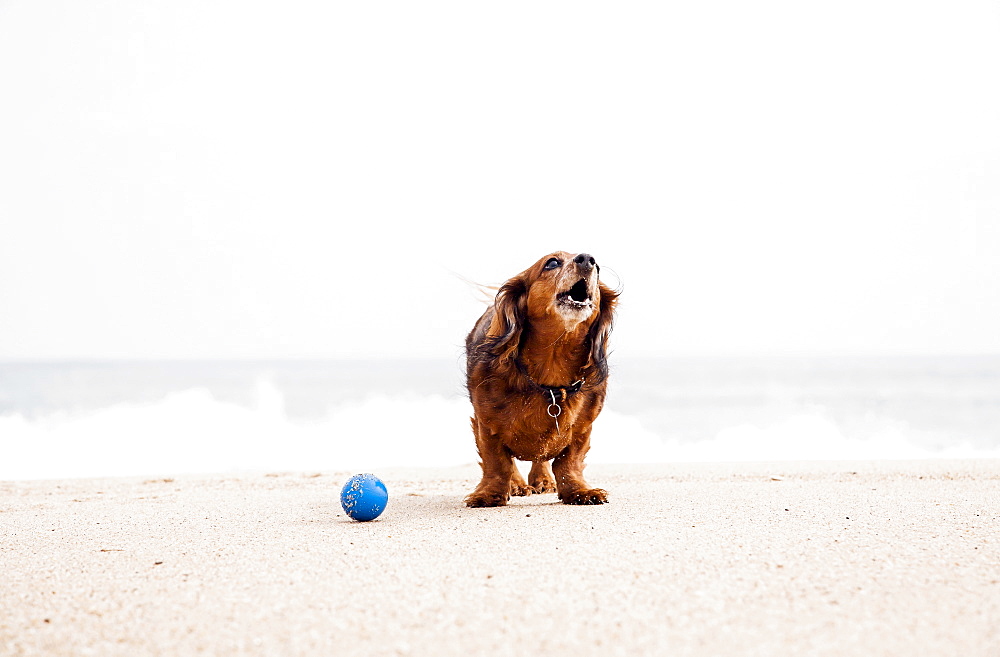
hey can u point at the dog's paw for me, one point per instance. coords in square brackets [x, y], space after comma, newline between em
[586, 496]
[485, 499]
[520, 490]
[543, 486]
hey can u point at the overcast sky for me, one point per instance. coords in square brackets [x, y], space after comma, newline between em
[223, 179]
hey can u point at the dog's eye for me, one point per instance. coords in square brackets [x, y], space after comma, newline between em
[553, 263]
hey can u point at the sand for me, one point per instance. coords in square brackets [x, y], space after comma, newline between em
[881, 558]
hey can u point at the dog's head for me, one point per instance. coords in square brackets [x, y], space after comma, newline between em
[564, 290]
[559, 294]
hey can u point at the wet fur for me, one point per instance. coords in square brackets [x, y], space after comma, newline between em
[524, 342]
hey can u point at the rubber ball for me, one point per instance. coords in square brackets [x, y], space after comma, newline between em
[364, 497]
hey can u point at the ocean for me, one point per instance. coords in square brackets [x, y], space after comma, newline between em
[160, 418]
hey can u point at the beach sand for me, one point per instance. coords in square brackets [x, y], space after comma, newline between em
[873, 558]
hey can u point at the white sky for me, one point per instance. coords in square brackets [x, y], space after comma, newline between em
[187, 179]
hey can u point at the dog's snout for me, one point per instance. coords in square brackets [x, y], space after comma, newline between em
[585, 261]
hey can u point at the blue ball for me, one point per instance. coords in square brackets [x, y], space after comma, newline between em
[363, 497]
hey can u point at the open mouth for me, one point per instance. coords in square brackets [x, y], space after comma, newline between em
[577, 296]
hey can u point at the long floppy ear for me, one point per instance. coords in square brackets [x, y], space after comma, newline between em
[600, 332]
[503, 337]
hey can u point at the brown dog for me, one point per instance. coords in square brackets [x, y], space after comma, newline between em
[537, 373]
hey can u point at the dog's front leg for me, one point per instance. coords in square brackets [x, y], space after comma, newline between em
[498, 469]
[568, 471]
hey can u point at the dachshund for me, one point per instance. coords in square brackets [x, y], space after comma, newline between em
[537, 373]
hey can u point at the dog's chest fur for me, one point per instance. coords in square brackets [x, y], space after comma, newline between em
[522, 421]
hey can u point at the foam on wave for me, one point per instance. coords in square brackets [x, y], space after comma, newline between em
[193, 432]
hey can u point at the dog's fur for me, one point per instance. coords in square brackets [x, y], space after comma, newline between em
[540, 350]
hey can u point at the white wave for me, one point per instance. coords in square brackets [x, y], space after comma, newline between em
[798, 437]
[192, 432]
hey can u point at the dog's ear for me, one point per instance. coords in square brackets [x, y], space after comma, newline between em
[511, 312]
[600, 332]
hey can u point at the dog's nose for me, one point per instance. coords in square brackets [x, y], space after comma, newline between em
[585, 261]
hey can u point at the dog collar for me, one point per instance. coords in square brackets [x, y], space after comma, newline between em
[550, 391]
[554, 409]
